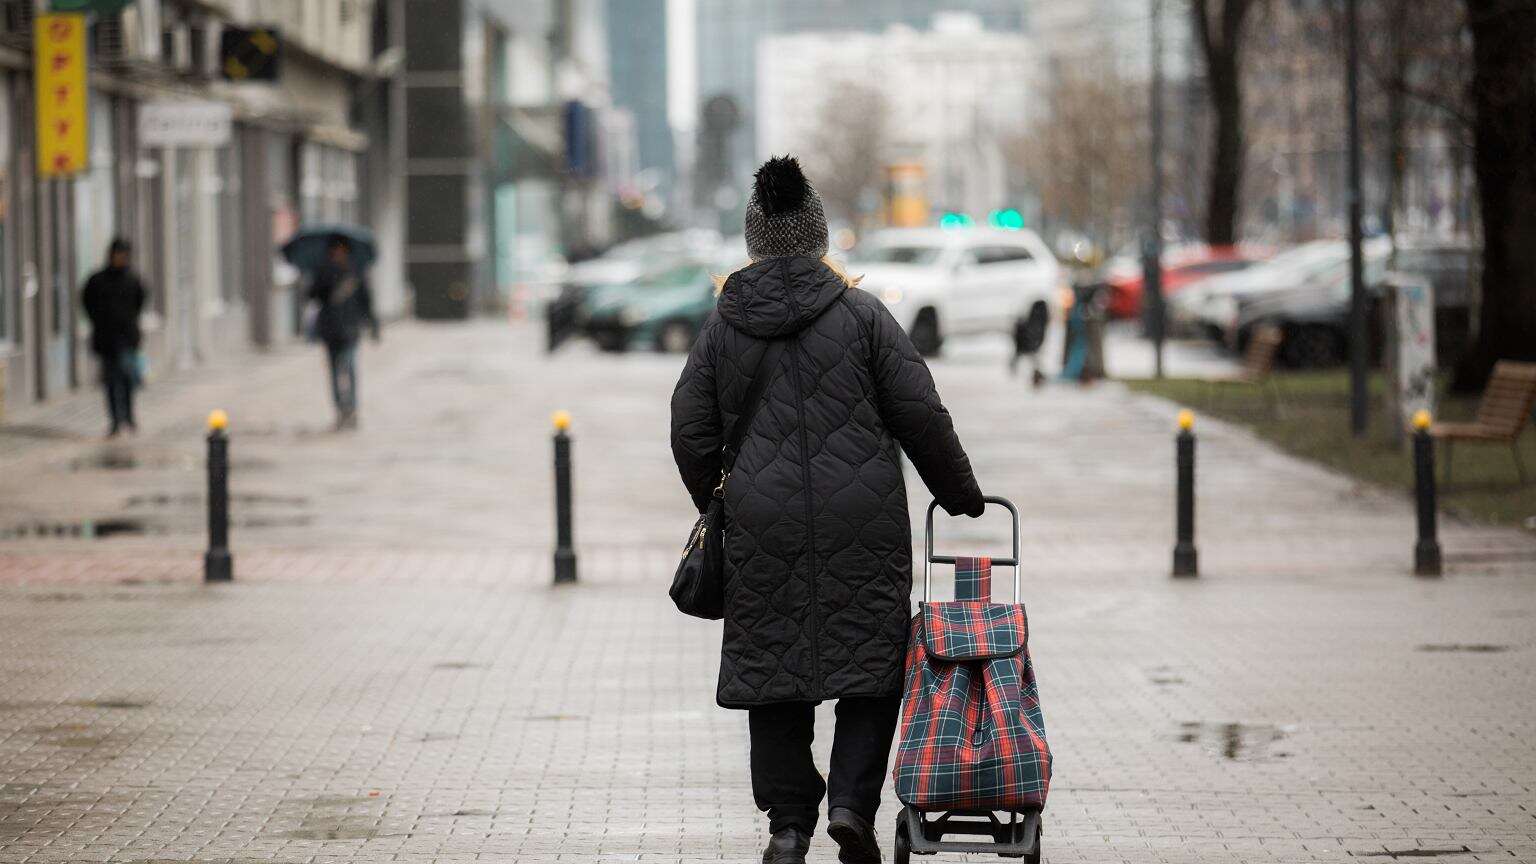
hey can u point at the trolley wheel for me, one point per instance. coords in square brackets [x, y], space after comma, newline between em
[1035, 858]
[903, 853]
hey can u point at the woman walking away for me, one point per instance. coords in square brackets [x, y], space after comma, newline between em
[817, 541]
[114, 299]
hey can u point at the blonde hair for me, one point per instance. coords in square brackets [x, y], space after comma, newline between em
[832, 264]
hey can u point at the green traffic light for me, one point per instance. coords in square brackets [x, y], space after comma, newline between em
[1009, 219]
[955, 220]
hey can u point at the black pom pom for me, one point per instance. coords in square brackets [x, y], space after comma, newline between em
[780, 186]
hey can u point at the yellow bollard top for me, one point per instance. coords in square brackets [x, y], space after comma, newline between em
[1422, 419]
[218, 421]
[1186, 420]
[562, 420]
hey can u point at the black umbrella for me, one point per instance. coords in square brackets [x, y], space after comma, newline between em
[307, 248]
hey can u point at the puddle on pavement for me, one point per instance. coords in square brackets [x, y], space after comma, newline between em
[247, 499]
[112, 703]
[1241, 742]
[334, 829]
[38, 432]
[128, 460]
[1467, 648]
[332, 801]
[88, 529]
[55, 597]
[1414, 853]
[257, 522]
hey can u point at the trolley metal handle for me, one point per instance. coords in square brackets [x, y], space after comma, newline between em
[930, 559]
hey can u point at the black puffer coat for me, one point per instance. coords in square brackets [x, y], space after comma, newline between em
[818, 543]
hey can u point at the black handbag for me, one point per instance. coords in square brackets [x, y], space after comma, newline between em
[698, 587]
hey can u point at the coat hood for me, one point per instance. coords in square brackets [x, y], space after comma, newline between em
[779, 296]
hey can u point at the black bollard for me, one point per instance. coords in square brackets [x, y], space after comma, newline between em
[1426, 552]
[218, 564]
[1185, 558]
[565, 552]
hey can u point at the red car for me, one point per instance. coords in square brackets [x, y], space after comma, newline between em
[1180, 267]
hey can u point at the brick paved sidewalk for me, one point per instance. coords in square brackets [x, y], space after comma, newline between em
[395, 680]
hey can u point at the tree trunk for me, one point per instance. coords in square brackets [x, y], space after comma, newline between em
[1224, 199]
[1504, 159]
[1221, 40]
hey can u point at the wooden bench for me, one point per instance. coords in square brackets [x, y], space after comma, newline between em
[1501, 415]
[1258, 365]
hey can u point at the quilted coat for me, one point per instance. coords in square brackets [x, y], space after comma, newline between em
[818, 543]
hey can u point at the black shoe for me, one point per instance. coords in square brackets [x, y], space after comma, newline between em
[787, 846]
[854, 835]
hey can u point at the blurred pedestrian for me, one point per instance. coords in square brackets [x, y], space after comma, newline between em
[1028, 337]
[345, 306]
[114, 298]
[818, 541]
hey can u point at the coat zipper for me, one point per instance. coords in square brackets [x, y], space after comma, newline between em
[810, 526]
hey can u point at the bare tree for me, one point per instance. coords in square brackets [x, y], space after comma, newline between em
[1219, 31]
[845, 148]
[1504, 158]
[1086, 156]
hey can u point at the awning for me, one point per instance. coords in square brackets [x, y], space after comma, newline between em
[100, 7]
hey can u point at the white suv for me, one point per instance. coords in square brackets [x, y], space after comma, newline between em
[942, 282]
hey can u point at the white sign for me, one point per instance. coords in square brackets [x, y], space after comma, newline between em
[185, 123]
[1414, 308]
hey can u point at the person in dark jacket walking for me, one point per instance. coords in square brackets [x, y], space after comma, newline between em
[345, 306]
[818, 541]
[114, 298]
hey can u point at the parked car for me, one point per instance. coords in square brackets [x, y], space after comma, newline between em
[942, 282]
[1181, 268]
[1210, 307]
[663, 310]
[1314, 317]
[623, 265]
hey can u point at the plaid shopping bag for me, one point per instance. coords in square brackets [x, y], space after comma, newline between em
[972, 734]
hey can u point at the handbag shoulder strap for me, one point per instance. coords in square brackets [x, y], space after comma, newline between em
[761, 375]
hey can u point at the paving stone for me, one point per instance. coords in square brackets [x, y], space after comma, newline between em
[393, 678]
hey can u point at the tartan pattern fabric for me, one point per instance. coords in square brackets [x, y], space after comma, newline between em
[972, 733]
[967, 630]
[973, 579]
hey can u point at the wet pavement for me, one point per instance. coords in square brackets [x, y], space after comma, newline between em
[392, 677]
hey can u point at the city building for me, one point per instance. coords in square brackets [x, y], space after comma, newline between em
[515, 153]
[204, 206]
[956, 92]
[637, 50]
[727, 35]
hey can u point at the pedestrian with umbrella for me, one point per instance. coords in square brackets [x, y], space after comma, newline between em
[337, 258]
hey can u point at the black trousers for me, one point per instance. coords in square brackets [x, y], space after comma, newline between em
[117, 381]
[343, 357]
[785, 782]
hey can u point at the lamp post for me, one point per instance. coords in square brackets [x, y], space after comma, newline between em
[1358, 396]
[1153, 315]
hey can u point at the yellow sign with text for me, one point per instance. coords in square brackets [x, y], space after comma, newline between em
[59, 59]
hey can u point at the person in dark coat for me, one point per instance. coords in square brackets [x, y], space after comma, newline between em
[818, 542]
[114, 299]
[345, 307]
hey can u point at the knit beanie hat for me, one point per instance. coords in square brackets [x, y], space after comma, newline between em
[784, 215]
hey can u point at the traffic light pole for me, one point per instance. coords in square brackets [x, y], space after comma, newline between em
[1358, 396]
